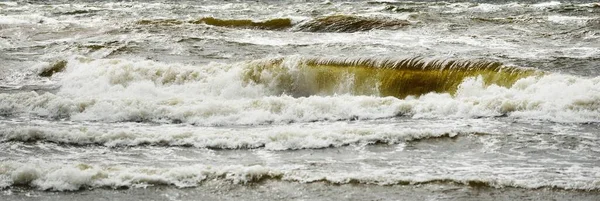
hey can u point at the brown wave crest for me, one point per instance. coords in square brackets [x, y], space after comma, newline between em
[379, 77]
[57, 66]
[271, 24]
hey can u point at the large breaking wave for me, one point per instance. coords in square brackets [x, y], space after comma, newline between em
[299, 89]
[380, 77]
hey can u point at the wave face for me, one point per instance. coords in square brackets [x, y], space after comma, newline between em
[381, 77]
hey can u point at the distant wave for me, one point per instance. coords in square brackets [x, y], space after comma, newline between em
[350, 23]
[334, 23]
[272, 24]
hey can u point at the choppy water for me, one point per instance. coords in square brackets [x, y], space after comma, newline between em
[317, 100]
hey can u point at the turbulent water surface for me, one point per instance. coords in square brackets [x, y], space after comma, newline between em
[315, 100]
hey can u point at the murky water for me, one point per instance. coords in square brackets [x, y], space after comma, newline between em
[281, 100]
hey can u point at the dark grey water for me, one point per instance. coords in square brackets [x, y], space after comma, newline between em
[314, 100]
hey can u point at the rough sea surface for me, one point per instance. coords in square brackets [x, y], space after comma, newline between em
[300, 100]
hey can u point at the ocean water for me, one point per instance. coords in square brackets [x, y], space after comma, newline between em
[300, 100]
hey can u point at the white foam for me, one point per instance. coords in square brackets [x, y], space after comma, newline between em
[486, 8]
[589, 5]
[549, 4]
[578, 20]
[9, 3]
[27, 19]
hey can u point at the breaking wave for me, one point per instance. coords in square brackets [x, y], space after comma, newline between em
[297, 89]
[288, 137]
[380, 77]
[57, 177]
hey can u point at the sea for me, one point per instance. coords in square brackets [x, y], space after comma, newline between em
[300, 100]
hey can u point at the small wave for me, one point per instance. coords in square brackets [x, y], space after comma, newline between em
[290, 137]
[160, 22]
[503, 8]
[77, 12]
[82, 176]
[271, 24]
[55, 177]
[55, 67]
[559, 19]
[496, 20]
[350, 23]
